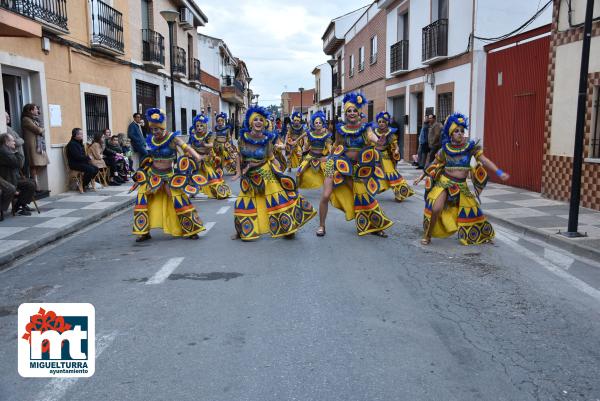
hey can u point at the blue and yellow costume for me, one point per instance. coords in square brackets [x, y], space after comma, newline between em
[393, 179]
[311, 173]
[355, 182]
[225, 152]
[199, 139]
[268, 202]
[296, 131]
[462, 211]
[162, 194]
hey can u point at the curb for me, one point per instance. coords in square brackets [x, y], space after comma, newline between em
[12, 256]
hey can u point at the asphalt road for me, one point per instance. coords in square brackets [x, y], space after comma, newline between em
[334, 318]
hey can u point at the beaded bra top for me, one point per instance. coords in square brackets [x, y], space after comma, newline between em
[260, 149]
[165, 149]
[459, 157]
[353, 138]
[389, 139]
[222, 132]
[198, 142]
[318, 142]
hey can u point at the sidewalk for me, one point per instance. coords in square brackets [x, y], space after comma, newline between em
[60, 215]
[528, 212]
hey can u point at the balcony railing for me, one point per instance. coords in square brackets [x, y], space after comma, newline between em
[373, 58]
[194, 70]
[52, 13]
[153, 47]
[361, 66]
[399, 56]
[435, 41]
[180, 61]
[232, 90]
[231, 81]
[107, 26]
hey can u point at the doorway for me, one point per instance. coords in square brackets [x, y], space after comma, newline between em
[13, 99]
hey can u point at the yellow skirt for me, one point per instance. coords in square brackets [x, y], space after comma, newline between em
[394, 180]
[356, 203]
[226, 160]
[295, 157]
[311, 173]
[173, 212]
[269, 204]
[216, 187]
[462, 213]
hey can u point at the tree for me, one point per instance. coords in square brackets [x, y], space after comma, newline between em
[274, 110]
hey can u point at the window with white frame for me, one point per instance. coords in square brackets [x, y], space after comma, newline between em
[361, 58]
[373, 56]
[351, 65]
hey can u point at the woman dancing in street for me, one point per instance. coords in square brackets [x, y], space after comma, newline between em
[387, 146]
[450, 206]
[163, 184]
[202, 142]
[294, 140]
[268, 202]
[352, 174]
[311, 173]
[225, 152]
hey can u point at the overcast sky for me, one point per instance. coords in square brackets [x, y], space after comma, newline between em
[279, 40]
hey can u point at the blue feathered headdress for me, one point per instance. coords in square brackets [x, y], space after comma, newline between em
[385, 115]
[221, 115]
[201, 118]
[318, 114]
[261, 111]
[296, 115]
[452, 122]
[156, 118]
[355, 99]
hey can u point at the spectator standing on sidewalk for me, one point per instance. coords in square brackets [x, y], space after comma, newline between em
[136, 136]
[423, 144]
[11, 162]
[77, 158]
[434, 137]
[35, 143]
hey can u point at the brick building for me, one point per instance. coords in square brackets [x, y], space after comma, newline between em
[290, 102]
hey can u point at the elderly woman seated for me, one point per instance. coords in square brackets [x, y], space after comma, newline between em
[11, 162]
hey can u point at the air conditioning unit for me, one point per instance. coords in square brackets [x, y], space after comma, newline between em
[186, 19]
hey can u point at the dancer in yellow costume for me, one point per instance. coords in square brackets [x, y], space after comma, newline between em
[294, 140]
[352, 174]
[225, 151]
[202, 142]
[311, 173]
[163, 184]
[450, 206]
[268, 202]
[387, 146]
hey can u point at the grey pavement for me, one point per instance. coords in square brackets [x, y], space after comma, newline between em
[528, 212]
[334, 318]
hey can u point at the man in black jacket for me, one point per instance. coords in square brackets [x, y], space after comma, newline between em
[77, 158]
[11, 162]
[136, 136]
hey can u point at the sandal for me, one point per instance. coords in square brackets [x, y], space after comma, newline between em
[381, 234]
[142, 238]
[321, 231]
[425, 241]
[235, 236]
[195, 236]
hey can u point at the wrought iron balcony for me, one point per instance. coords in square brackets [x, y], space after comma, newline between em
[399, 57]
[194, 70]
[107, 28]
[435, 41]
[180, 62]
[153, 48]
[51, 13]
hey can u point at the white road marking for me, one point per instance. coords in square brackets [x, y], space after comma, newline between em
[232, 199]
[208, 226]
[57, 388]
[223, 210]
[165, 271]
[558, 258]
[577, 283]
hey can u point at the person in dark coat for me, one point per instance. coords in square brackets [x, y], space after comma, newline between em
[77, 158]
[136, 136]
[11, 162]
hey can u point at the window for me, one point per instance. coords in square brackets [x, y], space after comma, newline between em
[361, 58]
[96, 114]
[184, 122]
[444, 106]
[351, 62]
[595, 151]
[370, 111]
[373, 57]
[194, 113]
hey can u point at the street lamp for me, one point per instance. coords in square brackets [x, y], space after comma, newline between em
[257, 95]
[171, 17]
[301, 112]
[332, 62]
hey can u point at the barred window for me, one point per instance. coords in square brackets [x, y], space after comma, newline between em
[444, 106]
[595, 145]
[96, 114]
